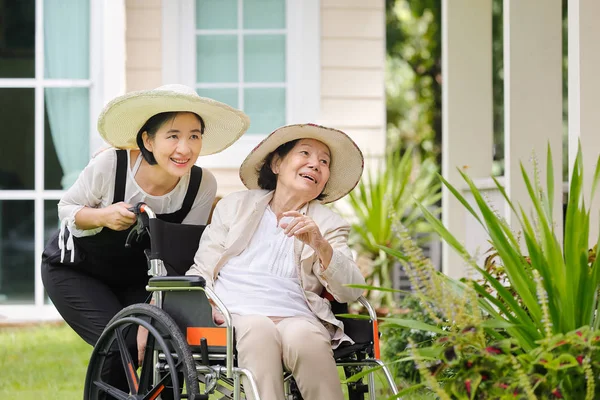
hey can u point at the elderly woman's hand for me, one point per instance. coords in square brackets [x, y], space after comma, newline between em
[306, 230]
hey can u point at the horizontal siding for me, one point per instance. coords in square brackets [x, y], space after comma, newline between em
[144, 4]
[144, 24]
[353, 53]
[360, 24]
[348, 113]
[144, 54]
[354, 4]
[144, 44]
[139, 79]
[352, 83]
[352, 72]
[370, 141]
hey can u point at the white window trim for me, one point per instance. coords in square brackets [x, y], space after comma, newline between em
[100, 16]
[303, 66]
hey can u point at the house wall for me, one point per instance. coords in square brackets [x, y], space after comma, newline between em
[143, 44]
[352, 69]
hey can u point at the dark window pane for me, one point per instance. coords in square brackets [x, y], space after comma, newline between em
[17, 39]
[17, 255]
[18, 139]
[51, 224]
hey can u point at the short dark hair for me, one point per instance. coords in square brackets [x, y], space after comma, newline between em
[153, 125]
[267, 179]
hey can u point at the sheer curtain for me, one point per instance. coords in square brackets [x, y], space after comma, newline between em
[66, 53]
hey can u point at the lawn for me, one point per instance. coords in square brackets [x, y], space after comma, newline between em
[46, 362]
[42, 362]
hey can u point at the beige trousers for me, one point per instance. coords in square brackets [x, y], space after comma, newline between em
[304, 346]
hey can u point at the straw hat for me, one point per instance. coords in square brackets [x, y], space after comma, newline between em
[123, 117]
[347, 160]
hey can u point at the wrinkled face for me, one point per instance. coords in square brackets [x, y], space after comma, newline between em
[177, 144]
[304, 171]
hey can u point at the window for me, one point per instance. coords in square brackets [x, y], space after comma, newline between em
[261, 56]
[46, 99]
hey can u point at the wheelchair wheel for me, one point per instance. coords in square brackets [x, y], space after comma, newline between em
[164, 337]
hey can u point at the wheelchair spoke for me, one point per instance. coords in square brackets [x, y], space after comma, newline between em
[132, 378]
[155, 392]
[147, 365]
[113, 391]
[161, 385]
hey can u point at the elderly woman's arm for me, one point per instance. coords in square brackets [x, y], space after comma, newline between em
[341, 269]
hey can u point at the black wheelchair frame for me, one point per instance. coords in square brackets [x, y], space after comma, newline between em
[184, 346]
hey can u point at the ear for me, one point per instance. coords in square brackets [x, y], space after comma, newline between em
[275, 163]
[147, 141]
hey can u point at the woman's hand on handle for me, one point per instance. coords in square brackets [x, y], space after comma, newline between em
[116, 217]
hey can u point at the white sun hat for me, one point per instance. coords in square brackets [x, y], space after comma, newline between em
[347, 162]
[123, 117]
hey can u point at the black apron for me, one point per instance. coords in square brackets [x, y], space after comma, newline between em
[104, 255]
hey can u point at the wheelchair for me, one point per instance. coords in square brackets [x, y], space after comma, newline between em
[187, 356]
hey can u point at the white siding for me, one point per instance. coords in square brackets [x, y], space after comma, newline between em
[352, 71]
[143, 40]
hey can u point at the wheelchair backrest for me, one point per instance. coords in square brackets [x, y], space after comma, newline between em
[174, 244]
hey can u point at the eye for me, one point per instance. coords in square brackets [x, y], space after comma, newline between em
[195, 137]
[172, 137]
[304, 152]
[325, 162]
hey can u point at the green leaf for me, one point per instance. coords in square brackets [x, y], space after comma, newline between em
[413, 324]
[550, 181]
[497, 324]
[361, 374]
[406, 391]
[377, 288]
[353, 316]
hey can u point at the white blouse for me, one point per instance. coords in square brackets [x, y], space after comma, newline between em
[96, 184]
[263, 280]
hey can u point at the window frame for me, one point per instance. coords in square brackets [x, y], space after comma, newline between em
[100, 14]
[303, 66]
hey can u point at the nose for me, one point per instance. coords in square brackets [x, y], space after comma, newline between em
[313, 164]
[183, 147]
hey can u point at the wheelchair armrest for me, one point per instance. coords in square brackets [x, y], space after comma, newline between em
[177, 281]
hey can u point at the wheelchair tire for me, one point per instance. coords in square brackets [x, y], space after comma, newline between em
[164, 336]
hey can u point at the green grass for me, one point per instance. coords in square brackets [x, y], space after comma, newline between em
[49, 362]
[42, 362]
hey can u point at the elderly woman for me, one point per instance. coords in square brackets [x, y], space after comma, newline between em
[271, 251]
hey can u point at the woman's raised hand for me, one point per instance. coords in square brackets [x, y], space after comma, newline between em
[302, 227]
[306, 230]
[117, 216]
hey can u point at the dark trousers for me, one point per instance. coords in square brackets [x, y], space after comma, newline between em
[87, 304]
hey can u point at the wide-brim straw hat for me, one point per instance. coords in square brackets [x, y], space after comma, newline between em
[123, 117]
[347, 162]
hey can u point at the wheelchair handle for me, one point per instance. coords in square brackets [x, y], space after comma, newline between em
[141, 208]
[138, 230]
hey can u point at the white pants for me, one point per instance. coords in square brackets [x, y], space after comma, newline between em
[304, 346]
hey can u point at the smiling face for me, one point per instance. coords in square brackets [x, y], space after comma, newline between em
[176, 144]
[304, 171]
